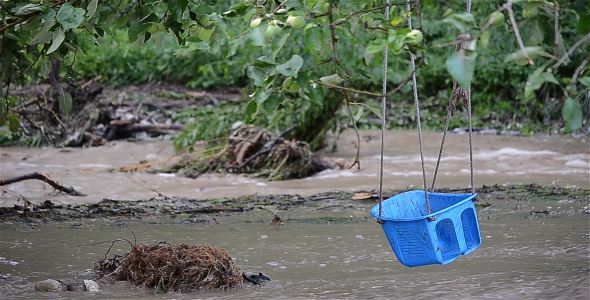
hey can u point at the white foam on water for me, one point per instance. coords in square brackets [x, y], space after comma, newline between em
[578, 163]
[481, 172]
[333, 174]
[103, 166]
[406, 174]
[6, 261]
[166, 174]
[507, 153]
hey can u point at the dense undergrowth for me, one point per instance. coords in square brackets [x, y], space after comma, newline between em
[498, 88]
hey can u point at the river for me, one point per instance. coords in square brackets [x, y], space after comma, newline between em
[523, 256]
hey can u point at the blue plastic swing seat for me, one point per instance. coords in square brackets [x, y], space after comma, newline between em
[418, 241]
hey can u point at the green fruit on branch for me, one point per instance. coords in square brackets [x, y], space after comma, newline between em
[414, 37]
[255, 23]
[497, 18]
[271, 31]
[296, 21]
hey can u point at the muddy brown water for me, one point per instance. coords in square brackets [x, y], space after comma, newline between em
[498, 160]
[522, 256]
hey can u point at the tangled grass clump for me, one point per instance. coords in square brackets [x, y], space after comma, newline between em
[179, 268]
[256, 151]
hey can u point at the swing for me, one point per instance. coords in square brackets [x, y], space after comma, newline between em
[424, 227]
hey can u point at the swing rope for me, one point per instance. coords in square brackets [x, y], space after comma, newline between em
[383, 123]
[457, 93]
[418, 117]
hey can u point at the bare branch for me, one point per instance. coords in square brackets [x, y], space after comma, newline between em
[357, 159]
[46, 179]
[571, 50]
[508, 7]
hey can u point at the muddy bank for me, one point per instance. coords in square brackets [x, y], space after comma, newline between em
[497, 199]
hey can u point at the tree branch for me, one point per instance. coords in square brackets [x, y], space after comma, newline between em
[508, 7]
[46, 179]
[571, 50]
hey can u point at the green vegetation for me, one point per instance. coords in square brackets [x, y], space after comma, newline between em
[294, 58]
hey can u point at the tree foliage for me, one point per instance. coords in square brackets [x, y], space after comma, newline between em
[304, 58]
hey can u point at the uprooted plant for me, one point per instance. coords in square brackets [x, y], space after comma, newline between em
[179, 268]
[254, 151]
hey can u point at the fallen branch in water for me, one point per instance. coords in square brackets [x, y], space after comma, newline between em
[46, 179]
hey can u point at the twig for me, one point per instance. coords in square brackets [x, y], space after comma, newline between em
[133, 233]
[357, 160]
[333, 39]
[508, 7]
[279, 6]
[407, 79]
[571, 50]
[19, 197]
[360, 12]
[556, 33]
[46, 179]
[148, 188]
[578, 71]
[110, 247]
[348, 89]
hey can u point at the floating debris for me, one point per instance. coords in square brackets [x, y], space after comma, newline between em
[179, 268]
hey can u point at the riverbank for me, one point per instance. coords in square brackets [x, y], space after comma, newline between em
[496, 200]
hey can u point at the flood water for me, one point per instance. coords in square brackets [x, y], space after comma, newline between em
[521, 257]
[556, 160]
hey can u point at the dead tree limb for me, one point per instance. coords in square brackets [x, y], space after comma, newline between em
[46, 179]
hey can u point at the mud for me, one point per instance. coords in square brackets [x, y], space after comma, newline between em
[501, 199]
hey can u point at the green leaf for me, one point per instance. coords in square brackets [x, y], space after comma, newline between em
[536, 80]
[462, 21]
[520, 58]
[265, 60]
[257, 36]
[65, 103]
[462, 67]
[585, 81]
[572, 115]
[44, 36]
[58, 38]
[291, 67]
[13, 123]
[278, 45]
[27, 9]
[311, 3]
[135, 29]
[584, 23]
[312, 37]
[69, 16]
[251, 109]
[91, 9]
[333, 79]
[375, 46]
[257, 75]
[290, 85]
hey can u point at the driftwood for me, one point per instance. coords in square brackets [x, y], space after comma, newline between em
[46, 179]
